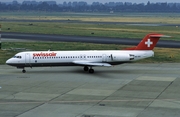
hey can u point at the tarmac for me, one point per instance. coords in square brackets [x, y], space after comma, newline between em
[128, 90]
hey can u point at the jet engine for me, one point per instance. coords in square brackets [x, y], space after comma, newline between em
[122, 57]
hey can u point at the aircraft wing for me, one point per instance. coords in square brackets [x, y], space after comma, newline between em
[89, 63]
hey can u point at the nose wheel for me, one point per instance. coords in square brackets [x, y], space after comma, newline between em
[23, 71]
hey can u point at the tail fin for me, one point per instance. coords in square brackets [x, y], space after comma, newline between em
[148, 42]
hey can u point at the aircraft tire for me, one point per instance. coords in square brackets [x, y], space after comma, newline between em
[23, 71]
[86, 68]
[91, 70]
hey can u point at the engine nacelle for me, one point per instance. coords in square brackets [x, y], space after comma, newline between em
[122, 57]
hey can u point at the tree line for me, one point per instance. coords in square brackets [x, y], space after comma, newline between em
[94, 7]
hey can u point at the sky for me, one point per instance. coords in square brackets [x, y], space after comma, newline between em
[101, 1]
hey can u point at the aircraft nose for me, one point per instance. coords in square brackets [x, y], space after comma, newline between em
[8, 62]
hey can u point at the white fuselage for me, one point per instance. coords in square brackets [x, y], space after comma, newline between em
[72, 58]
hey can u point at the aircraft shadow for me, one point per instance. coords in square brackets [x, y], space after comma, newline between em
[98, 73]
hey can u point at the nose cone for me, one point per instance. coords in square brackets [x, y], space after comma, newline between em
[8, 62]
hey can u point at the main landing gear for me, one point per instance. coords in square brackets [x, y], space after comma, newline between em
[86, 68]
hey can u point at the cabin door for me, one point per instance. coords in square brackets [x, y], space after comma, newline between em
[27, 59]
[104, 59]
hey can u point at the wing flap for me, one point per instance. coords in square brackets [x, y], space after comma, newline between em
[89, 63]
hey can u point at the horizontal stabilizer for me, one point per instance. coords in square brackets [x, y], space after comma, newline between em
[166, 36]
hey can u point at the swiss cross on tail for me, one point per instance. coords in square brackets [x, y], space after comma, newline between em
[148, 42]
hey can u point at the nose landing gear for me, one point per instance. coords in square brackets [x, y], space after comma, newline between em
[23, 71]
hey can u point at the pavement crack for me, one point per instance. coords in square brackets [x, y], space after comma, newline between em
[31, 109]
[156, 97]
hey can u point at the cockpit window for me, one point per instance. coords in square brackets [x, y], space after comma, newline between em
[17, 57]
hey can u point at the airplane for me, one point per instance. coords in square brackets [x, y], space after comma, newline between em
[87, 59]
